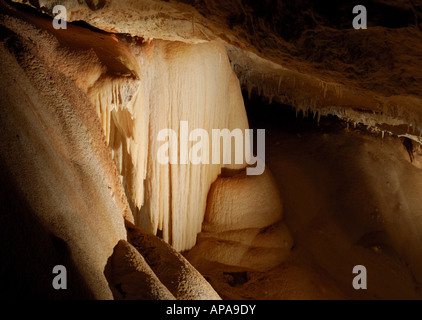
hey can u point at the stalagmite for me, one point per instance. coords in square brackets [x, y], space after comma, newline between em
[242, 202]
[131, 278]
[242, 225]
[168, 265]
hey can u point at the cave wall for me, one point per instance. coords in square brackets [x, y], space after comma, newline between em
[305, 54]
[63, 201]
[82, 110]
[137, 88]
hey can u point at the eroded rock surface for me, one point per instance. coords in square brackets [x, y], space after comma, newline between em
[82, 109]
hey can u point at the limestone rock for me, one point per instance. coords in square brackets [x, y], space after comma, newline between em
[236, 254]
[57, 174]
[131, 278]
[242, 226]
[173, 270]
[309, 58]
[123, 79]
[276, 235]
[242, 202]
[81, 110]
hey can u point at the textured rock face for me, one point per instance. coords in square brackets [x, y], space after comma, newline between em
[56, 161]
[351, 198]
[82, 109]
[242, 225]
[147, 268]
[131, 277]
[173, 270]
[124, 80]
[305, 54]
[55, 144]
[242, 202]
[107, 77]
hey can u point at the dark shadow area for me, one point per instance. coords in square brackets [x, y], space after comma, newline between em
[334, 180]
[289, 19]
[276, 116]
[236, 279]
[29, 251]
[116, 288]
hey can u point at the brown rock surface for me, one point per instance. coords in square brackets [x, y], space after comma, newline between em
[57, 170]
[173, 270]
[242, 202]
[81, 109]
[131, 278]
[305, 53]
[242, 226]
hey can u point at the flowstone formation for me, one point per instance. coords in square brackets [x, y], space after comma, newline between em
[87, 109]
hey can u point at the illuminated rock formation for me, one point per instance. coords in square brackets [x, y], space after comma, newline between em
[68, 202]
[301, 63]
[242, 202]
[82, 110]
[132, 278]
[173, 270]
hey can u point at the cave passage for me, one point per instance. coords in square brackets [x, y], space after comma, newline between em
[83, 108]
[348, 197]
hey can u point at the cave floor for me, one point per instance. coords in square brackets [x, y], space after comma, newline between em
[349, 198]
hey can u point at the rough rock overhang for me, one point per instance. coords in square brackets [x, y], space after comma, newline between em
[306, 55]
